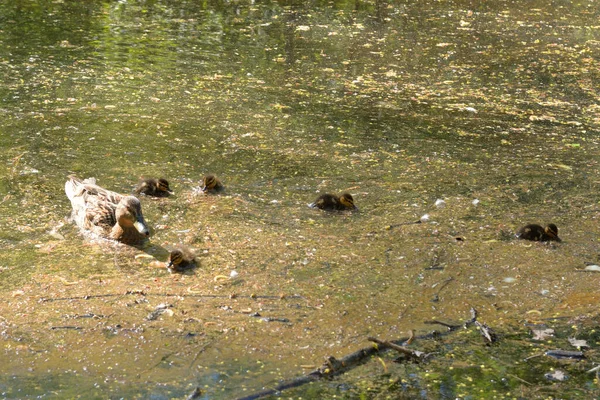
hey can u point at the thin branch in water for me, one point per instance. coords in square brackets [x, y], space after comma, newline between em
[519, 379]
[415, 354]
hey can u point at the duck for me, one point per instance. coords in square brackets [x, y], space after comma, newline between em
[331, 202]
[181, 259]
[538, 233]
[154, 187]
[106, 213]
[211, 184]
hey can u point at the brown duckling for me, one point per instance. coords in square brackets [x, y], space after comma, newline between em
[538, 233]
[154, 187]
[105, 213]
[211, 184]
[331, 202]
[181, 259]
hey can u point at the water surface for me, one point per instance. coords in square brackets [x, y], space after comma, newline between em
[399, 104]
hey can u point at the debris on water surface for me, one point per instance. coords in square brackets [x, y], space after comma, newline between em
[556, 375]
[158, 311]
[578, 342]
[565, 354]
[542, 334]
[593, 268]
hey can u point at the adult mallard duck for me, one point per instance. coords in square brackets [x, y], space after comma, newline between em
[538, 233]
[154, 187]
[180, 259]
[331, 202]
[106, 213]
[211, 184]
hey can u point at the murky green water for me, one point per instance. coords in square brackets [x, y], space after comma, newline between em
[398, 103]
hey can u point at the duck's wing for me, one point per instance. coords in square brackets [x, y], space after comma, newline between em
[100, 213]
[93, 206]
[89, 191]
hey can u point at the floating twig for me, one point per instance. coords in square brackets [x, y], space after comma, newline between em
[566, 354]
[450, 327]
[418, 355]
[195, 394]
[142, 293]
[411, 337]
[436, 296]
[596, 368]
[487, 333]
[519, 379]
[333, 367]
[77, 328]
[533, 356]
[402, 224]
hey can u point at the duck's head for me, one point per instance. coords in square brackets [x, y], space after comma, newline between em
[175, 258]
[129, 214]
[347, 201]
[552, 231]
[162, 185]
[209, 182]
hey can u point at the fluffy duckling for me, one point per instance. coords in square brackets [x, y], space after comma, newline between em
[154, 187]
[331, 202]
[538, 233]
[211, 184]
[106, 213]
[181, 259]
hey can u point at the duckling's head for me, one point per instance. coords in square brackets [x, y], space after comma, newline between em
[129, 214]
[209, 182]
[162, 185]
[552, 231]
[347, 201]
[175, 258]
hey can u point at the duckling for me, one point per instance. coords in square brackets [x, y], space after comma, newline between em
[211, 184]
[105, 213]
[538, 233]
[154, 187]
[331, 202]
[181, 259]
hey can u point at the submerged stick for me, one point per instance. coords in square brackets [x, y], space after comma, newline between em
[450, 327]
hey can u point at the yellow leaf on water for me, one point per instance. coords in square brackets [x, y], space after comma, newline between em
[561, 166]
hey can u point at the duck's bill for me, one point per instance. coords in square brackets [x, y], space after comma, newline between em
[141, 228]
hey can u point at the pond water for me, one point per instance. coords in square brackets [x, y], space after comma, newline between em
[493, 108]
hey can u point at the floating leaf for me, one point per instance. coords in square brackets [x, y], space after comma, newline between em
[542, 334]
[556, 375]
[578, 342]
